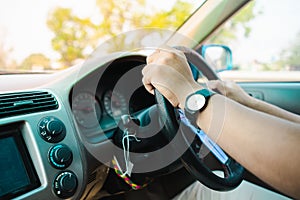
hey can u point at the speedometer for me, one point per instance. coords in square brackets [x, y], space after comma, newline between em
[115, 104]
[86, 109]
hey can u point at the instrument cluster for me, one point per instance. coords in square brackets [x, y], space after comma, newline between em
[98, 103]
[89, 110]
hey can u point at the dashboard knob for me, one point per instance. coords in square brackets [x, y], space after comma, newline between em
[60, 156]
[65, 184]
[52, 129]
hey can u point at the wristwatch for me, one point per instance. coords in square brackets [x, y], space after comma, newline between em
[195, 103]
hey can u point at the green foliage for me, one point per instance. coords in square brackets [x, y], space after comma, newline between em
[36, 60]
[117, 14]
[171, 19]
[290, 57]
[73, 35]
[241, 20]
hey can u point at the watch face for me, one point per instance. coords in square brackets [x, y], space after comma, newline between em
[195, 102]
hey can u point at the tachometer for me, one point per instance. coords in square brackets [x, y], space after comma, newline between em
[115, 104]
[87, 110]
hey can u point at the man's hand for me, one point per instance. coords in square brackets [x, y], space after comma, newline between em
[168, 71]
[233, 91]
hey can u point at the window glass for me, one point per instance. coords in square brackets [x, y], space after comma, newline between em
[264, 36]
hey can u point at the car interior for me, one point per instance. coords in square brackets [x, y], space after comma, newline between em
[66, 135]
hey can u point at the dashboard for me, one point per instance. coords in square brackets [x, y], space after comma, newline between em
[57, 131]
[99, 100]
[50, 146]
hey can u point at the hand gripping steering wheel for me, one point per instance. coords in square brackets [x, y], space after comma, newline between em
[233, 171]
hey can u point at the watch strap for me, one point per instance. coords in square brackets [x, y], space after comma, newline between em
[192, 116]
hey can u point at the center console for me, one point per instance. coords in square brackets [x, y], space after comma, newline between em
[18, 175]
[39, 156]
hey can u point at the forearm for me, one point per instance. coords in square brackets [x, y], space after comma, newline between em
[273, 110]
[251, 137]
[233, 91]
[265, 144]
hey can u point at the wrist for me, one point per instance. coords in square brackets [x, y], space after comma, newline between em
[251, 102]
[197, 103]
[185, 92]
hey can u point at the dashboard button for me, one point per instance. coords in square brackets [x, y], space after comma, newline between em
[52, 129]
[65, 184]
[60, 156]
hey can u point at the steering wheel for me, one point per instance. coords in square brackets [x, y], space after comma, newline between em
[233, 171]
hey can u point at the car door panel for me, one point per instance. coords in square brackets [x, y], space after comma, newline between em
[283, 94]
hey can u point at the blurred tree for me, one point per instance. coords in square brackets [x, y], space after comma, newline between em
[122, 15]
[36, 60]
[5, 62]
[290, 57]
[172, 18]
[237, 24]
[3, 56]
[73, 35]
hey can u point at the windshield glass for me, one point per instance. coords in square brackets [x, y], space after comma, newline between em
[40, 36]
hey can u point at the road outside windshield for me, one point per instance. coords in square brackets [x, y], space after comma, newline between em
[57, 34]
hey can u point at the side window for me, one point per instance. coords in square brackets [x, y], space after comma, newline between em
[264, 37]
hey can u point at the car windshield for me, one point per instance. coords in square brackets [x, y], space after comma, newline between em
[46, 36]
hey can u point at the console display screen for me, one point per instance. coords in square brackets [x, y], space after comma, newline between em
[17, 175]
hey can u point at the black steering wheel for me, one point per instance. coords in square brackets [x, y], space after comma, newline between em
[233, 171]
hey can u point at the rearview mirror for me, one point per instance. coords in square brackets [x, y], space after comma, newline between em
[218, 56]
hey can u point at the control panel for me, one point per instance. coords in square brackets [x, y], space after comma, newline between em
[65, 184]
[52, 129]
[60, 156]
[42, 156]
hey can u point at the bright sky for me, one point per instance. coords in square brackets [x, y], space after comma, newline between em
[272, 31]
[23, 23]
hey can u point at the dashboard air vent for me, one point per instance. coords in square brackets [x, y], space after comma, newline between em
[12, 104]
